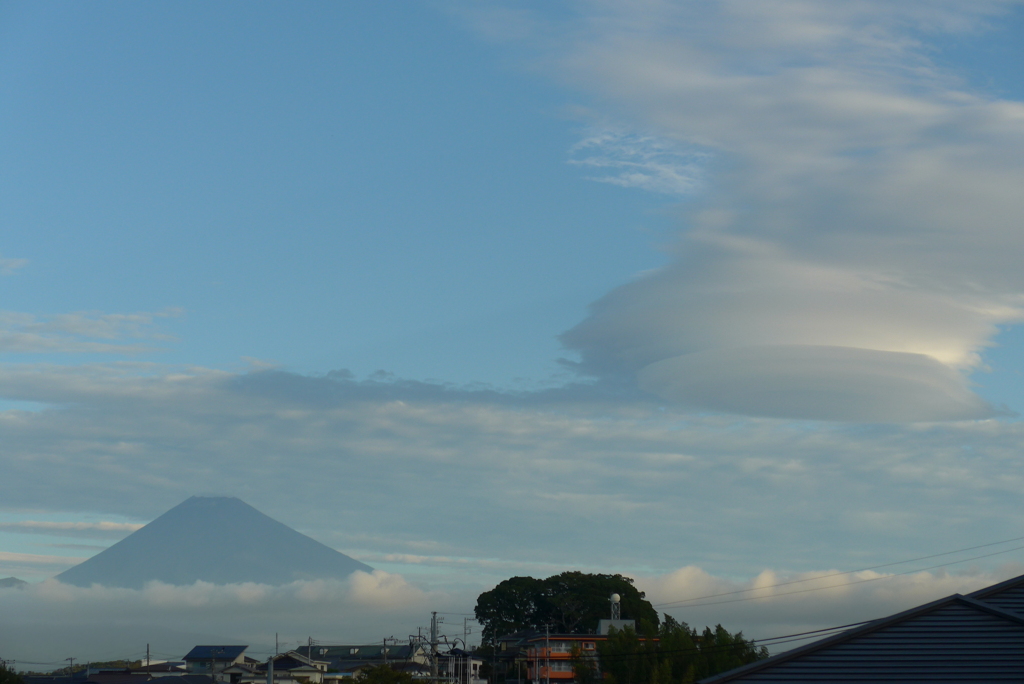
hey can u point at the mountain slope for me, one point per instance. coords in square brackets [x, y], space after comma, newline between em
[214, 539]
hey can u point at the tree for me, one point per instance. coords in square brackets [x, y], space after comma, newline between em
[673, 654]
[584, 669]
[515, 604]
[383, 674]
[8, 676]
[571, 603]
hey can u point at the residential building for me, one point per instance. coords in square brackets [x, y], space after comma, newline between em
[213, 660]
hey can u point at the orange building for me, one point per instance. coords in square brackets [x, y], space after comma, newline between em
[533, 656]
[549, 657]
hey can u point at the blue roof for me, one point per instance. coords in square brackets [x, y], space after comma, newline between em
[215, 652]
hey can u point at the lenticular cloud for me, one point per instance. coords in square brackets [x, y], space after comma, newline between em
[857, 248]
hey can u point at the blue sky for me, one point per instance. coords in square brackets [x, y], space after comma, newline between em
[690, 291]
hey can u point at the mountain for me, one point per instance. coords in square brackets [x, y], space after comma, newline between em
[222, 540]
[11, 582]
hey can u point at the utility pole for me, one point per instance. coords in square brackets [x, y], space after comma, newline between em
[149, 675]
[465, 645]
[433, 647]
[547, 653]
[384, 650]
[71, 668]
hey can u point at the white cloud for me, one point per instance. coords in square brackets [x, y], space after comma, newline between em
[858, 198]
[9, 266]
[28, 565]
[636, 161]
[61, 561]
[98, 530]
[101, 622]
[83, 332]
[774, 603]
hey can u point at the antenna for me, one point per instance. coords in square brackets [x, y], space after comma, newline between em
[616, 607]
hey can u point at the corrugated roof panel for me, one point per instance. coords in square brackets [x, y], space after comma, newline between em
[956, 641]
[215, 652]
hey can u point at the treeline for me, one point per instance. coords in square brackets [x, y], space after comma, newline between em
[67, 670]
[672, 653]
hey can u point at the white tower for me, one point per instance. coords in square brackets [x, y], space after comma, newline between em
[616, 607]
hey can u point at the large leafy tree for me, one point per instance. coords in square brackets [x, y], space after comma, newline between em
[571, 603]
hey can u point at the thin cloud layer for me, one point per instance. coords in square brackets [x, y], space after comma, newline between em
[859, 199]
[82, 332]
[135, 441]
[10, 266]
[94, 530]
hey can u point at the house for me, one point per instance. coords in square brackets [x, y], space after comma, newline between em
[976, 638]
[550, 656]
[539, 657]
[289, 668]
[213, 660]
[460, 666]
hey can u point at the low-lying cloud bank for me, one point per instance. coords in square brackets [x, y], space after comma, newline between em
[775, 603]
[104, 623]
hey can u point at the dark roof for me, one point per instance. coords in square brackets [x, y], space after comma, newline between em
[1008, 595]
[362, 652]
[567, 637]
[955, 639]
[400, 666]
[215, 652]
[288, 661]
[182, 679]
[171, 666]
[117, 677]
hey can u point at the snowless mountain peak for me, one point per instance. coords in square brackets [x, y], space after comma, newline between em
[216, 539]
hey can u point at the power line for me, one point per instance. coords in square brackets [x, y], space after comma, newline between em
[849, 572]
[770, 641]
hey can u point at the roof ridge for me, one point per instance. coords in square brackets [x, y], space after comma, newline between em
[996, 588]
[862, 630]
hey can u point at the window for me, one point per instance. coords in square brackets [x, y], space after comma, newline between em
[588, 646]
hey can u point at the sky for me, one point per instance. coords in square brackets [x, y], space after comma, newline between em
[717, 295]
